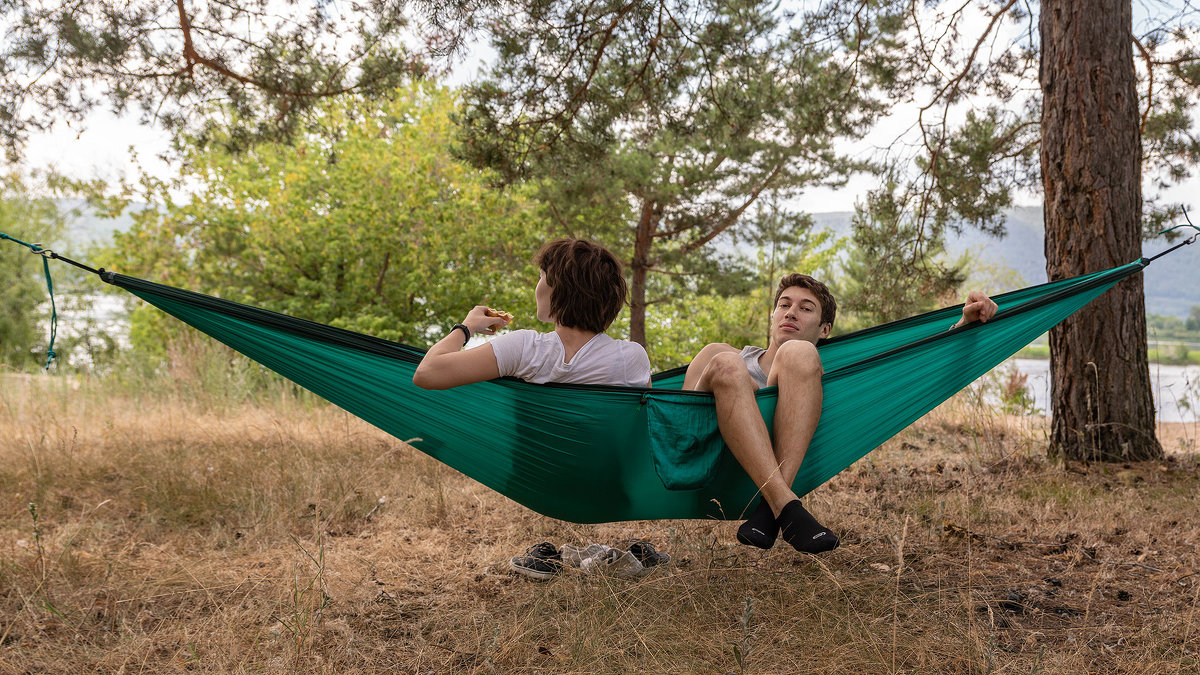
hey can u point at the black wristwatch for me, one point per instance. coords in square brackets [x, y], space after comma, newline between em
[466, 332]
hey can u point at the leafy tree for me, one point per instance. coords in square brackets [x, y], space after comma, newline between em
[24, 309]
[1193, 320]
[656, 126]
[975, 85]
[894, 268]
[376, 230]
[269, 62]
[1170, 325]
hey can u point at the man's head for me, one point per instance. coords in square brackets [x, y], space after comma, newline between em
[581, 285]
[804, 310]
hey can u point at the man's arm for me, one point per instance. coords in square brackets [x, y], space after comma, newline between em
[447, 364]
[696, 368]
[978, 307]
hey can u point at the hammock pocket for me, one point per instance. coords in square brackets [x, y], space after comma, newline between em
[600, 454]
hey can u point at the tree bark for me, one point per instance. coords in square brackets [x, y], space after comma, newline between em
[639, 267]
[1091, 172]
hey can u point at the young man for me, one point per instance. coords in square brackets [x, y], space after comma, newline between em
[803, 314]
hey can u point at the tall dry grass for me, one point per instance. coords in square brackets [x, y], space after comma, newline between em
[160, 528]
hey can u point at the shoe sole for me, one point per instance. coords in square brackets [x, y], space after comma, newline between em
[532, 574]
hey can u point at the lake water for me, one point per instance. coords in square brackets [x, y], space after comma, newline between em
[1170, 385]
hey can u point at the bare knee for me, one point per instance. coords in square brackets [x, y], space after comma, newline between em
[798, 357]
[726, 369]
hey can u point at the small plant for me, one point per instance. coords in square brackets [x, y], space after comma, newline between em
[308, 600]
[1190, 399]
[1015, 396]
[37, 541]
[1189, 402]
[741, 648]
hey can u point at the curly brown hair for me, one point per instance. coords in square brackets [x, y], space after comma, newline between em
[828, 304]
[587, 285]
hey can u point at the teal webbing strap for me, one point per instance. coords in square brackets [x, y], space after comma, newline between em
[1170, 229]
[49, 287]
[1186, 242]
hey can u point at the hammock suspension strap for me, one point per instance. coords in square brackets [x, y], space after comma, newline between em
[1185, 242]
[47, 256]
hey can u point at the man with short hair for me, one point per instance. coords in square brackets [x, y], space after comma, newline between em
[803, 315]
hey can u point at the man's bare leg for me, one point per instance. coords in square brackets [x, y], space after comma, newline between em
[742, 426]
[797, 372]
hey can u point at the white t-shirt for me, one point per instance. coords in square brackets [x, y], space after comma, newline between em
[538, 358]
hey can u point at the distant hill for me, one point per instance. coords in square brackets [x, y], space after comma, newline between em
[1171, 284]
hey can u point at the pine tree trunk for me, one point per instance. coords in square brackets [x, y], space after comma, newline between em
[1091, 171]
[639, 267]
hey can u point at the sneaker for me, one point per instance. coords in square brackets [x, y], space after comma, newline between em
[541, 561]
[573, 556]
[614, 562]
[645, 553]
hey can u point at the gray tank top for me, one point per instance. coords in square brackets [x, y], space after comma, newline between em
[750, 355]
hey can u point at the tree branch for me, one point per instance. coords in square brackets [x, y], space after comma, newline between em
[1149, 85]
[732, 217]
[192, 58]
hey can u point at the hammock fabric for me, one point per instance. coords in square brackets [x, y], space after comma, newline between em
[592, 454]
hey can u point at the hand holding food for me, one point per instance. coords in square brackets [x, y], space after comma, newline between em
[486, 320]
[508, 318]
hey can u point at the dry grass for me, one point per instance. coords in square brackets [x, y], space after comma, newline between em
[291, 537]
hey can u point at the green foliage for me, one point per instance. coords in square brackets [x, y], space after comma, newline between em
[1193, 320]
[655, 127]
[967, 181]
[270, 63]
[894, 268]
[1172, 354]
[1013, 392]
[775, 243]
[365, 223]
[24, 304]
[1168, 325]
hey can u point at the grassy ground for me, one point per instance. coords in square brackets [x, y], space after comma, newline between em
[149, 534]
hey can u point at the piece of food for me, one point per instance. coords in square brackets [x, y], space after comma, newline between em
[499, 313]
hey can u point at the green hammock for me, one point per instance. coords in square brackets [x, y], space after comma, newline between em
[599, 454]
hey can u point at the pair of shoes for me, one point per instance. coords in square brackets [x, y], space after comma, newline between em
[647, 555]
[541, 561]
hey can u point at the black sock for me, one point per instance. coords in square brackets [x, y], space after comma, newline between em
[803, 532]
[760, 529]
